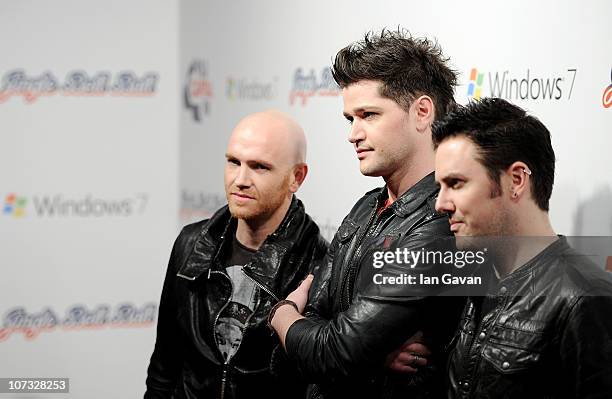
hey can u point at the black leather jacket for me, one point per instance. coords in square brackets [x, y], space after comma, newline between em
[546, 332]
[186, 362]
[349, 330]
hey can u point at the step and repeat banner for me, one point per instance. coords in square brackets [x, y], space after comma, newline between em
[89, 113]
[552, 58]
[114, 119]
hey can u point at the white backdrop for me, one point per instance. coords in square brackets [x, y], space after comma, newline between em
[268, 43]
[114, 118]
[92, 167]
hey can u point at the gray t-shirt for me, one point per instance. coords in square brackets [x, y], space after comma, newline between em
[233, 318]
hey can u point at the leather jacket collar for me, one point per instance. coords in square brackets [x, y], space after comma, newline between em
[410, 200]
[266, 262]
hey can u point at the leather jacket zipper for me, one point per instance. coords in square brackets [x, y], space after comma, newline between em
[260, 285]
[226, 364]
[354, 268]
[223, 380]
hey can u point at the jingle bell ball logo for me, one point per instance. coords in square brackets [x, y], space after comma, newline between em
[524, 85]
[78, 83]
[311, 84]
[198, 90]
[606, 99]
[76, 317]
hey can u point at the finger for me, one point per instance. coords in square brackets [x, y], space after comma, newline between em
[402, 368]
[418, 361]
[404, 358]
[418, 348]
[408, 359]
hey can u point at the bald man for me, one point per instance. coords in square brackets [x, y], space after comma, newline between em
[225, 273]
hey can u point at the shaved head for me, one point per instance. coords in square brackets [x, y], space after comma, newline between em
[277, 131]
[265, 166]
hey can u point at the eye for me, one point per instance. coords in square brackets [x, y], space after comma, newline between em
[259, 166]
[369, 115]
[233, 161]
[456, 184]
[349, 119]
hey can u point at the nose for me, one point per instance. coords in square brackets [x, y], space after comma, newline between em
[243, 178]
[356, 134]
[444, 204]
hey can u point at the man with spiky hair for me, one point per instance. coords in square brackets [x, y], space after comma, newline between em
[394, 87]
[543, 329]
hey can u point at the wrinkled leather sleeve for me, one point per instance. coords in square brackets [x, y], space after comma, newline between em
[319, 302]
[586, 347]
[319, 305]
[357, 341]
[167, 361]
[280, 365]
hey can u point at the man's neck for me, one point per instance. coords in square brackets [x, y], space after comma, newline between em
[414, 169]
[398, 184]
[252, 233]
[533, 237]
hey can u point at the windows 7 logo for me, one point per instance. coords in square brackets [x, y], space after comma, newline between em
[475, 85]
[14, 205]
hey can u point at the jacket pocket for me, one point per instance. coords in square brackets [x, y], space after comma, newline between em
[510, 359]
[346, 231]
[510, 349]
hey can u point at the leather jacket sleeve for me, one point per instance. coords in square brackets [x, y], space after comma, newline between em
[586, 347]
[319, 303]
[357, 341]
[167, 361]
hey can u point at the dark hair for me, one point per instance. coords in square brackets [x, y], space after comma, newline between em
[407, 67]
[504, 134]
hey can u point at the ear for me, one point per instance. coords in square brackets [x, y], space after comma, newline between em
[299, 175]
[519, 175]
[424, 110]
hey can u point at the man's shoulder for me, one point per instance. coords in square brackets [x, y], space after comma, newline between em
[367, 201]
[581, 276]
[191, 231]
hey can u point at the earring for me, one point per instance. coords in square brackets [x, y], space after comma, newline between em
[514, 195]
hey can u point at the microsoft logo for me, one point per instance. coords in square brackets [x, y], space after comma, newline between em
[475, 85]
[14, 205]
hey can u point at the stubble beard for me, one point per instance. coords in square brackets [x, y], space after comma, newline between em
[263, 208]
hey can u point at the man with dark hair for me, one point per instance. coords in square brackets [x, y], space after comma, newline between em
[543, 328]
[394, 86]
[226, 273]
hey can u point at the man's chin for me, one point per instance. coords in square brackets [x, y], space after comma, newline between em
[247, 215]
[369, 171]
[241, 212]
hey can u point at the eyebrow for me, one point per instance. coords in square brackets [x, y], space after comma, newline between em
[251, 161]
[363, 108]
[453, 176]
